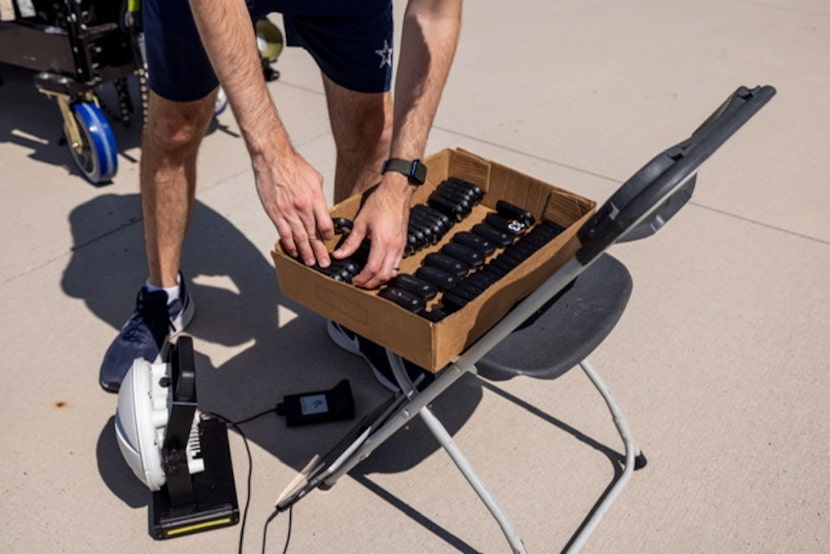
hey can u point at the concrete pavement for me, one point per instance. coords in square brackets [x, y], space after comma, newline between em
[720, 362]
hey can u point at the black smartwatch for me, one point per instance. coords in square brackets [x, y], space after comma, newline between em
[413, 169]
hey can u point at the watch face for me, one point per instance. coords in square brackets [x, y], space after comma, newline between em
[419, 172]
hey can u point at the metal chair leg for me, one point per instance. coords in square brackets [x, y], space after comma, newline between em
[445, 440]
[634, 459]
[443, 437]
[411, 403]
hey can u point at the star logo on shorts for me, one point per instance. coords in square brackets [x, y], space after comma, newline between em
[385, 54]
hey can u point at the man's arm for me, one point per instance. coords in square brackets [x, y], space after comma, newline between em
[291, 190]
[428, 42]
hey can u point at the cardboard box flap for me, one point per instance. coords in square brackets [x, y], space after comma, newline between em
[474, 169]
[566, 208]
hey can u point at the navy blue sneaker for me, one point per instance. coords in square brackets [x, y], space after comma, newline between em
[375, 356]
[146, 334]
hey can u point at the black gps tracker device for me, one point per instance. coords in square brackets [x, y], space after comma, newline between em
[317, 407]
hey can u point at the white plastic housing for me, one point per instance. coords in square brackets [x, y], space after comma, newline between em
[141, 420]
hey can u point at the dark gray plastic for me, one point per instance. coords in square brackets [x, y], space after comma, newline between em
[644, 203]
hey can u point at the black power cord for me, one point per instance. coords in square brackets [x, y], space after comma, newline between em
[253, 417]
[235, 425]
[273, 515]
[250, 470]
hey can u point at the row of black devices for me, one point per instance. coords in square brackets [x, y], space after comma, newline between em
[461, 271]
[450, 202]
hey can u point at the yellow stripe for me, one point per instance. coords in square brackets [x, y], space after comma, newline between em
[198, 526]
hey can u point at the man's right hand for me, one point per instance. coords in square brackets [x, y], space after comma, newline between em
[291, 191]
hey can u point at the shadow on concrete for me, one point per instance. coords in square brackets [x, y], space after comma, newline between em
[237, 304]
[616, 459]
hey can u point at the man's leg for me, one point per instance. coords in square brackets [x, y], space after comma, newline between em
[362, 127]
[168, 179]
[168, 184]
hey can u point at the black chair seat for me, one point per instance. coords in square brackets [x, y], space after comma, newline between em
[567, 329]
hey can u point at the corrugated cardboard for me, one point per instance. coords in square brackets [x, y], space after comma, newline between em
[434, 345]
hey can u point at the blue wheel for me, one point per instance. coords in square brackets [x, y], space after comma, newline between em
[96, 156]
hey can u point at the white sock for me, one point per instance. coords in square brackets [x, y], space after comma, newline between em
[172, 292]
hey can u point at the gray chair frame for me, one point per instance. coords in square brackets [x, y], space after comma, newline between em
[638, 209]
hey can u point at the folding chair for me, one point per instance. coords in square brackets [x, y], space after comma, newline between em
[559, 324]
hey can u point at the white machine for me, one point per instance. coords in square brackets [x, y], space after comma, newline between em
[144, 405]
[181, 455]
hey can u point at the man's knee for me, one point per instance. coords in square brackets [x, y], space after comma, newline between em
[373, 126]
[361, 122]
[177, 127]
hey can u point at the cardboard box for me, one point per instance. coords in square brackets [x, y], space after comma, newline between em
[433, 345]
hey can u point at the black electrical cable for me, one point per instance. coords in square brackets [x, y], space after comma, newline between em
[250, 474]
[288, 533]
[273, 515]
[253, 417]
[235, 425]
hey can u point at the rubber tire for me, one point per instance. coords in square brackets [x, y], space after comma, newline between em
[99, 160]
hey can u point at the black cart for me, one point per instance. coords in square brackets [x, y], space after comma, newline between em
[76, 46]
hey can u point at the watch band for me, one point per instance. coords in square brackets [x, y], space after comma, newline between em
[414, 169]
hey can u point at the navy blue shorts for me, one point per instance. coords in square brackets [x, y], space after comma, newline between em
[350, 41]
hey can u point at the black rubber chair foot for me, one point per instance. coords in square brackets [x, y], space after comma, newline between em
[640, 461]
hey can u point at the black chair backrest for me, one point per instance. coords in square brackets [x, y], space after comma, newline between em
[653, 195]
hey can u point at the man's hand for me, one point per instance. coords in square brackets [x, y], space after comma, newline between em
[291, 191]
[289, 188]
[383, 219]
